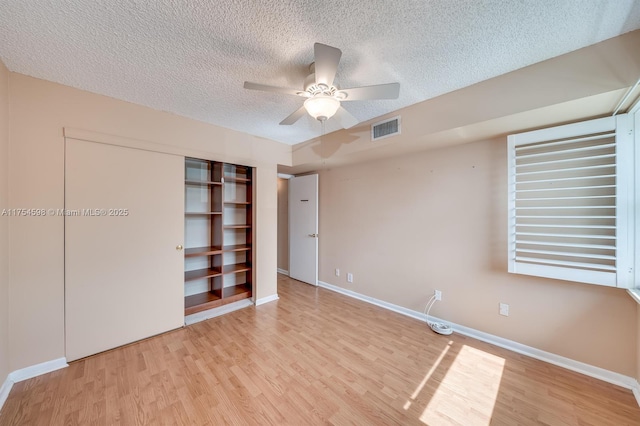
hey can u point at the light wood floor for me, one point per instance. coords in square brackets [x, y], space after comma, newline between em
[314, 357]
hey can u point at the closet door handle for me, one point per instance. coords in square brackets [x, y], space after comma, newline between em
[179, 247]
[313, 235]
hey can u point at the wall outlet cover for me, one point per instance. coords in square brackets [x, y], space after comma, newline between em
[504, 309]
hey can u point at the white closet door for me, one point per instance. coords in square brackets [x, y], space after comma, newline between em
[124, 276]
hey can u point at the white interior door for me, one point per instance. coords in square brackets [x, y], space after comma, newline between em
[303, 228]
[124, 277]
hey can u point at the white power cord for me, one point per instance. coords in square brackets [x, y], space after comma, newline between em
[438, 327]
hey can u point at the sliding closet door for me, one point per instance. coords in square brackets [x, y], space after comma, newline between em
[123, 269]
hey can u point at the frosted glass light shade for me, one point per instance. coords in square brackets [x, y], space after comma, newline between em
[321, 107]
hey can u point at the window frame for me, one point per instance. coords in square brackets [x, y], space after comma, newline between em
[626, 213]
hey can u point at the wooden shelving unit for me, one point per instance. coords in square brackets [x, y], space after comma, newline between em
[202, 251]
[218, 234]
[197, 274]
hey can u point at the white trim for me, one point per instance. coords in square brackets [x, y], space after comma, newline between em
[390, 306]
[4, 391]
[635, 107]
[267, 299]
[626, 97]
[570, 364]
[635, 294]
[635, 228]
[29, 373]
[284, 176]
[625, 204]
[216, 312]
[283, 271]
[581, 128]
[636, 391]
[38, 370]
[602, 278]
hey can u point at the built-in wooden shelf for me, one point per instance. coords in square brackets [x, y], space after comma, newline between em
[202, 251]
[237, 268]
[201, 273]
[235, 293]
[201, 182]
[201, 213]
[204, 301]
[207, 211]
[236, 179]
[201, 302]
[237, 247]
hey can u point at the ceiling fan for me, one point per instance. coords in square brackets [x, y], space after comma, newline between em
[322, 97]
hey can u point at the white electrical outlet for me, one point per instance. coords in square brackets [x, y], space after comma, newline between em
[504, 309]
[337, 272]
[438, 295]
[349, 277]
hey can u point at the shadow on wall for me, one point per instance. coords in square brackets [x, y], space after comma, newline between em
[326, 146]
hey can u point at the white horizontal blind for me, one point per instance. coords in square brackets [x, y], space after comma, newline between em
[568, 202]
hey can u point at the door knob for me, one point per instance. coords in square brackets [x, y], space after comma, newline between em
[313, 235]
[179, 247]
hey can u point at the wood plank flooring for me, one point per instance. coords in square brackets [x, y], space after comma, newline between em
[314, 357]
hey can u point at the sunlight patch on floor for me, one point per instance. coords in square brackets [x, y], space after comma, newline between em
[427, 376]
[467, 393]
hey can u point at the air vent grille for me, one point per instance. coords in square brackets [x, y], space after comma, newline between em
[385, 129]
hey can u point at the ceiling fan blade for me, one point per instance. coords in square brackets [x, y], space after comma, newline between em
[327, 59]
[345, 118]
[294, 117]
[265, 88]
[380, 91]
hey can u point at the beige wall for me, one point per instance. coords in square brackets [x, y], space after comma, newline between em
[283, 224]
[4, 222]
[437, 220]
[39, 112]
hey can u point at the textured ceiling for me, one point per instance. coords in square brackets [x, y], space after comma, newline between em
[192, 57]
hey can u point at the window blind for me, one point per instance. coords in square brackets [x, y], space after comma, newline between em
[568, 202]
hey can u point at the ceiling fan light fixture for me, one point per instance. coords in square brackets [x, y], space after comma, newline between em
[322, 107]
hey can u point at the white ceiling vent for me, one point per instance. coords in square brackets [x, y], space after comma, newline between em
[385, 129]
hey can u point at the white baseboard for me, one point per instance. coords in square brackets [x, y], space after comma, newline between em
[4, 391]
[390, 306]
[283, 271]
[570, 364]
[28, 373]
[636, 391]
[216, 312]
[37, 370]
[267, 299]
